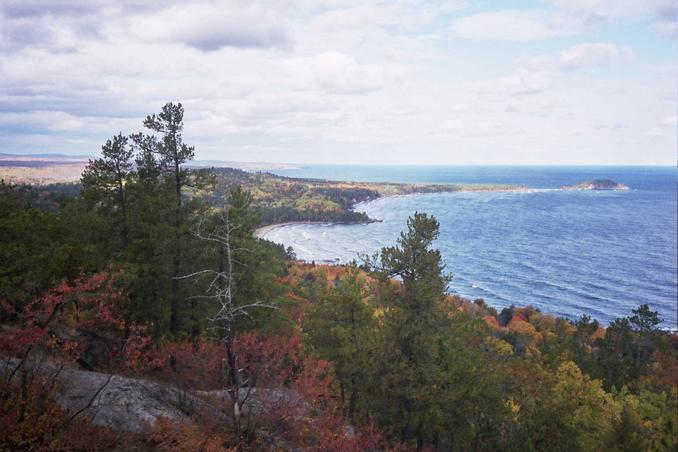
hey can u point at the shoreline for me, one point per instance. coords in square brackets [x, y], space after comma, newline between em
[262, 231]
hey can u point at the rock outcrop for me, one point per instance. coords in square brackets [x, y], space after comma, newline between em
[597, 184]
[120, 403]
[134, 404]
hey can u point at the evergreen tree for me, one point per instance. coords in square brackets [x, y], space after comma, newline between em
[172, 152]
[413, 323]
[104, 180]
[341, 328]
[436, 382]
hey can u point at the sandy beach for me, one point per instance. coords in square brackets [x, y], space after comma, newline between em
[263, 231]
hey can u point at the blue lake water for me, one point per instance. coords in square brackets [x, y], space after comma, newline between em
[567, 253]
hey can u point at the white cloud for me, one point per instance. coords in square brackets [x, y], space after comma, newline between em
[213, 25]
[662, 15]
[608, 9]
[594, 54]
[521, 82]
[565, 18]
[449, 126]
[669, 121]
[513, 25]
[349, 80]
[338, 73]
[666, 20]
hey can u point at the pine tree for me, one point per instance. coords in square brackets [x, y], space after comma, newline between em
[341, 329]
[172, 153]
[413, 321]
[104, 180]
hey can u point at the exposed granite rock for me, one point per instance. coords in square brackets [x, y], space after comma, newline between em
[134, 404]
[260, 401]
[121, 403]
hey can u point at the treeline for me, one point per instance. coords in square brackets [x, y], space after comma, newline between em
[274, 215]
[282, 199]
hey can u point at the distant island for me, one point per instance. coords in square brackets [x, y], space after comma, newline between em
[597, 184]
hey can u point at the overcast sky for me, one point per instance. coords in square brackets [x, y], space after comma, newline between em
[343, 81]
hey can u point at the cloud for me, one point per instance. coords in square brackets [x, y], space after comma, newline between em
[449, 126]
[565, 18]
[666, 20]
[338, 73]
[36, 8]
[513, 25]
[521, 82]
[662, 15]
[211, 26]
[27, 25]
[669, 121]
[609, 9]
[356, 80]
[594, 55]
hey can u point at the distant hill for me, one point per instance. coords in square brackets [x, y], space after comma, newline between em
[41, 169]
[45, 157]
[48, 168]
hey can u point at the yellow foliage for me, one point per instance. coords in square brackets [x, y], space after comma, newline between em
[520, 326]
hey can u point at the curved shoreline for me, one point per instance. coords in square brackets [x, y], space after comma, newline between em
[262, 231]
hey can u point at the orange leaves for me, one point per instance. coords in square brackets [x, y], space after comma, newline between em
[89, 300]
[69, 316]
[598, 334]
[14, 341]
[520, 326]
[664, 372]
[270, 360]
[315, 380]
[492, 322]
[137, 352]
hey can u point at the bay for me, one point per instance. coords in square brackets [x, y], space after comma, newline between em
[568, 253]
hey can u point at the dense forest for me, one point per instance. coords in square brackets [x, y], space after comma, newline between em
[152, 272]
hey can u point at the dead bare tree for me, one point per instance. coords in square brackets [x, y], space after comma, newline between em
[221, 291]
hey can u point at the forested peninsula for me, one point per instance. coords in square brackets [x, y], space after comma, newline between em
[286, 199]
[139, 311]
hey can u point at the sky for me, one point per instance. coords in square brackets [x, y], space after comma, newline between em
[543, 82]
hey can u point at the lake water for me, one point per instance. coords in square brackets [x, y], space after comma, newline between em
[567, 253]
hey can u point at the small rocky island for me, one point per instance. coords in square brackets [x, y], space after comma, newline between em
[597, 184]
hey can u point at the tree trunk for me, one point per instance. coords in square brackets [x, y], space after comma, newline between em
[123, 211]
[234, 384]
[176, 259]
[353, 398]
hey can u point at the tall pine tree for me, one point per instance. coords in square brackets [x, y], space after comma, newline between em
[104, 181]
[172, 152]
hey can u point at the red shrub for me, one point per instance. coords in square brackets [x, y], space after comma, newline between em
[192, 364]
